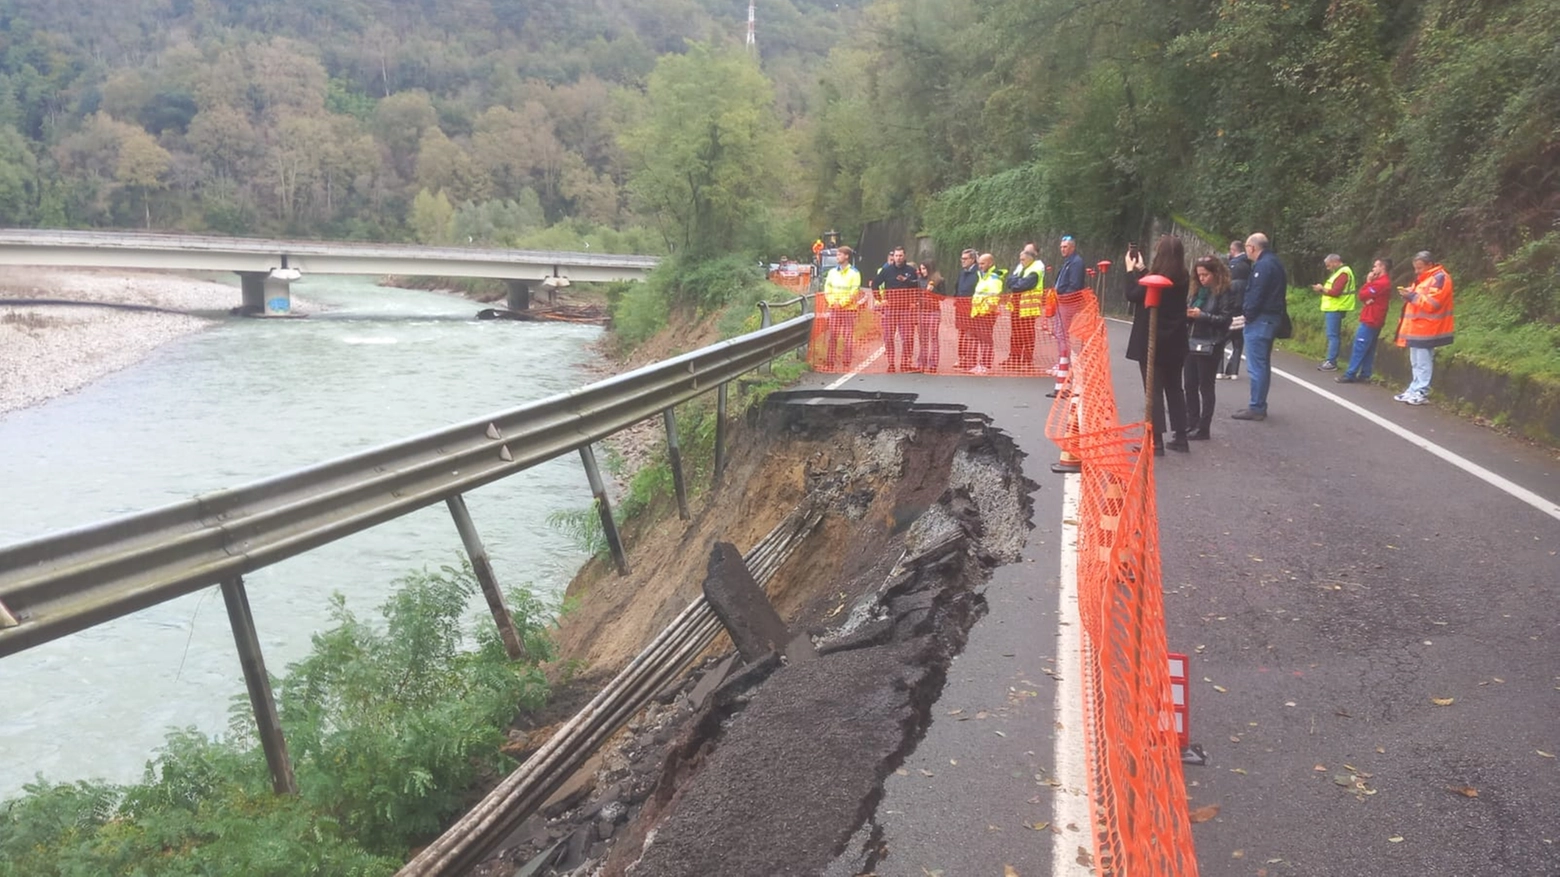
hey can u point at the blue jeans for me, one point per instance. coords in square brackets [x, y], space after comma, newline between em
[1259, 357]
[1363, 357]
[1421, 361]
[1334, 320]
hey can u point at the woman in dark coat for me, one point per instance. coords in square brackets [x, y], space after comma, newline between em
[1211, 310]
[1170, 343]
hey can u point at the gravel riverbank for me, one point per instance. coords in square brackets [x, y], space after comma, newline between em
[61, 329]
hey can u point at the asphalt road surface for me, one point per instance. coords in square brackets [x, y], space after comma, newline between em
[1374, 634]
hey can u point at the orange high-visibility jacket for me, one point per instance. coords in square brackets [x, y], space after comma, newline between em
[1427, 320]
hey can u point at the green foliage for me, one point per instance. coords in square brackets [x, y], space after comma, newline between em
[1526, 282]
[432, 217]
[707, 156]
[389, 728]
[583, 527]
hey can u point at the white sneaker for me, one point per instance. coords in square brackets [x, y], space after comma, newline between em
[1401, 397]
[1418, 400]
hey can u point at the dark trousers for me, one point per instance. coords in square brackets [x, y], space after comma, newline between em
[1022, 345]
[898, 336]
[984, 328]
[1237, 343]
[1168, 394]
[1198, 379]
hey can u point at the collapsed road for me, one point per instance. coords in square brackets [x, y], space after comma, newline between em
[770, 758]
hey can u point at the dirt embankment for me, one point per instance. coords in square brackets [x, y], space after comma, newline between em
[775, 768]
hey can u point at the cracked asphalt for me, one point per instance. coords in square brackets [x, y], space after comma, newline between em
[1385, 628]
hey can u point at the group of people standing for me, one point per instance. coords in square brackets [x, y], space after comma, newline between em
[1241, 303]
[912, 303]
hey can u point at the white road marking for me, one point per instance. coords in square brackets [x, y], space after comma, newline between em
[1499, 482]
[854, 372]
[1070, 804]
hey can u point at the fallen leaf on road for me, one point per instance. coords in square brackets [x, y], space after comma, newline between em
[1239, 770]
[1395, 839]
[1203, 814]
[1000, 734]
[1085, 857]
[1545, 754]
[1320, 768]
[1009, 871]
[1465, 791]
[954, 762]
[927, 773]
[1037, 826]
[902, 772]
[1442, 701]
[955, 712]
[1221, 689]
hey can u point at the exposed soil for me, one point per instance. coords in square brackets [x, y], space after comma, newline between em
[774, 767]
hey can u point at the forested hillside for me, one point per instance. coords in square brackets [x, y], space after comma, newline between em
[1360, 126]
[481, 120]
[1355, 126]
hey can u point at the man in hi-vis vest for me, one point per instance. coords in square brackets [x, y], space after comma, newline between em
[1337, 301]
[1027, 287]
[984, 306]
[841, 299]
[1427, 324]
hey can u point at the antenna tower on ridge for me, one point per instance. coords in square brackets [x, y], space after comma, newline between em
[752, 36]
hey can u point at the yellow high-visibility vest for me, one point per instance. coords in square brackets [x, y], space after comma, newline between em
[988, 293]
[1031, 301]
[1343, 302]
[842, 289]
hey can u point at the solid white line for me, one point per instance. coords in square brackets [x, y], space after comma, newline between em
[1070, 804]
[856, 371]
[1499, 482]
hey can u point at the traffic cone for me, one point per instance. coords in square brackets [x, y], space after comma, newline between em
[1068, 461]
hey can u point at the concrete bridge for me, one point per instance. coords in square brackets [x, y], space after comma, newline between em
[267, 268]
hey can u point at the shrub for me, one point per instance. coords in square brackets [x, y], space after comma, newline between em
[389, 726]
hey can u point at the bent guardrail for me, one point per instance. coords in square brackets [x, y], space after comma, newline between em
[66, 582]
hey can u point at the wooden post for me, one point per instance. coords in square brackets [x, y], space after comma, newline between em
[483, 567]
[259, 684]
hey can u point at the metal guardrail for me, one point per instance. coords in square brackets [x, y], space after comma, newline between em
[66, 582]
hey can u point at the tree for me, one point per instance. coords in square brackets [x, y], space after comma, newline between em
[707, 159]
[141, 166]
[431, 217]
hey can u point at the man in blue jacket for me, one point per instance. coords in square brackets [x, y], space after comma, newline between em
[1265, 307]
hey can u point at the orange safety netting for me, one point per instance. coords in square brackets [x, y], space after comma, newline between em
[797, 279]
[1136, 788]
[916, 330]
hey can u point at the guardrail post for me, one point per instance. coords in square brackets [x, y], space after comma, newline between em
[259, 684]
[674, 456]
[807, 308]
[720, 432]
[765, 320]
[483, 567]
[598, 488]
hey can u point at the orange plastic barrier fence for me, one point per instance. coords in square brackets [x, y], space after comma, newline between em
[912, 330]
[1136, 788]
[797, 280]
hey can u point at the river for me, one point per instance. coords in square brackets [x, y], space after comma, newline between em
[244, 401]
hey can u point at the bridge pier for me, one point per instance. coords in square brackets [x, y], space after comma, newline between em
[265, 294]
[519, 294]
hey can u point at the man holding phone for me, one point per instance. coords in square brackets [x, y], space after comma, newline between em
[1427, 324]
